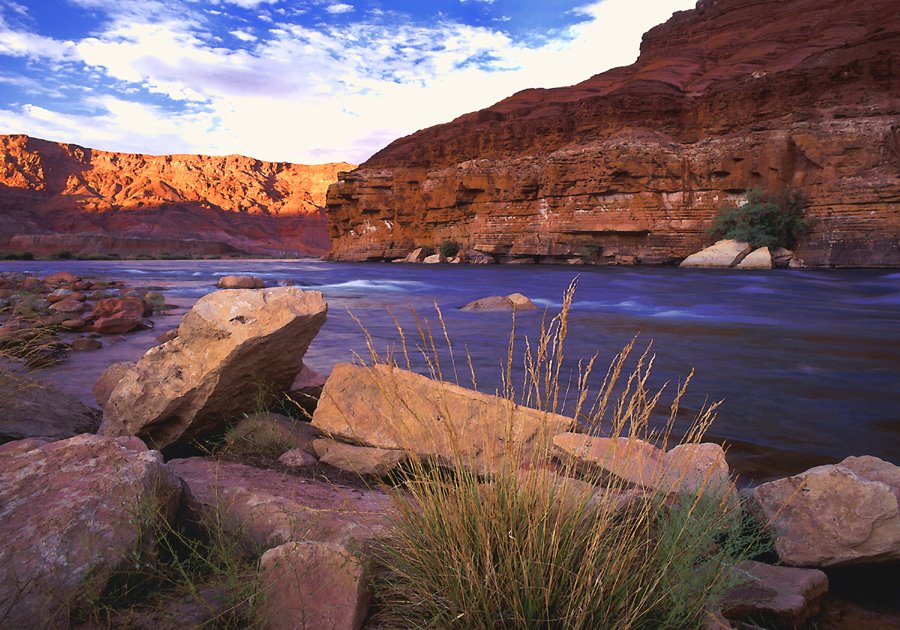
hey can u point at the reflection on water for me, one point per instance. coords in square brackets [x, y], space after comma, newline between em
[808, 362]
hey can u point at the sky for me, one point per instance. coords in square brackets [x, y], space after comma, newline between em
[307, 81]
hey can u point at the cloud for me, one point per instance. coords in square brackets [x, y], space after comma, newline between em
[336, 9]
[307, 92]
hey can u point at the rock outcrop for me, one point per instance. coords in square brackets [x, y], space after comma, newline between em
[389, 408]
[231, 345]
[631, 165]
[61, 197]
[782, 596]
[71, 514]
[841, 514]
[511, 302]
[30, 408]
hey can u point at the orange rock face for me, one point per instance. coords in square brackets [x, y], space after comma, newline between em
[56, 197]
[632, 164]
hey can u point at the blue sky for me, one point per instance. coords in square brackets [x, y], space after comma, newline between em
[291, 80]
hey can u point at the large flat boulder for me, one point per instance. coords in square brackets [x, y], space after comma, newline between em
[230, 346]
[267, 508]
[840, 514]
[313, 585]
[390, 408]
[29, 408]
[511, 302]
[72, 512]
[760, 258]
[724, 253]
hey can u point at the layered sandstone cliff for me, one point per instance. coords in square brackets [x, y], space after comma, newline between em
[632, 164]
[62, 197]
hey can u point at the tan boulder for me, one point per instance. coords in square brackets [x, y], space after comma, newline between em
[108, 380]
[416, 256]
[724, 253]
[68, 307]
[73, 512]
[840, 514]
[760, 258]
[387, 407]
[363, 460]
[269, 508]
[434, 259]
[61, 277]
[511, 302]
[313, 586]
[240, 282]
[786, 597]
[230, 344]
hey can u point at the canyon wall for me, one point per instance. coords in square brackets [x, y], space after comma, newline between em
[61, 197]
[631, 165]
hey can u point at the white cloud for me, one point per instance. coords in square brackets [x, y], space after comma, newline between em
[339, 8]
[311, 94]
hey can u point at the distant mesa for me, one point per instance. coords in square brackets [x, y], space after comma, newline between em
[631, 165]
[62, 197]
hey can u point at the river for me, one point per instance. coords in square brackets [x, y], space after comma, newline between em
[807, 361]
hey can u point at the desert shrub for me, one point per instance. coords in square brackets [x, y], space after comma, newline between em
[19, 256]
[427, 251]
[63, 255]
[449, 248]
[764, 220]
[527, 547]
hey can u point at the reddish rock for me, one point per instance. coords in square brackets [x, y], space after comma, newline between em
[133, 307]
[733, 95]
[34, 409]
[313, 585]
[86, 343]
[61, 277]
[269, 508]
[71, 515]
[65, 197]
[783, 596]
[69, 306]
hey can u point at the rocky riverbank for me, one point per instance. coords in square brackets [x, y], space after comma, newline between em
[189, 442]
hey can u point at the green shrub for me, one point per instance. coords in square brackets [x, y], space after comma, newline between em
[19, 256]
[765, 220]
[63, 255]
[449, 248]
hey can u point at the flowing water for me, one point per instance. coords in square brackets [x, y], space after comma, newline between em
[807, 362]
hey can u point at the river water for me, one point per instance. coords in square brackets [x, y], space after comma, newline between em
[807, 362]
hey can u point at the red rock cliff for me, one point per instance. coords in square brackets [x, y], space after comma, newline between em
[634, 162]
[56, 197]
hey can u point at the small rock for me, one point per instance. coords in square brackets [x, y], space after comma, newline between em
[313, 585]
[784, 596]
[511, 302]
[297, 458]
[59, 295]
[362, 460]
[73, 325]
[61, 277]
[68, 306]
[240, 282]
[86, 343]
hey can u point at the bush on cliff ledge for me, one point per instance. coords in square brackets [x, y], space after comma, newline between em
[765, 219]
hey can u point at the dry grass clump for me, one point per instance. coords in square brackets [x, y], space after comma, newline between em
[541, 543]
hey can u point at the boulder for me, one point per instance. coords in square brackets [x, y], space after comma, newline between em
[725, 253]
[68, 306]
[416, 256]
[240, 282]
[313, 585]
[72, 513]
[839, 514]
[267, 508]
[29, 408]
[59, 294]
[511, 302]
[297, 458]
[782, 257]
[786, 597]
[116, 316]
[362, 460]
[230, 346]
[760, 258]
[434, 259]
[109, 379]
[386, 407]
[686, 468]
[272, 433]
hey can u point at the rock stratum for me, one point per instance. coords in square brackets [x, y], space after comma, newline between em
[632, 164]
[62, 197]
